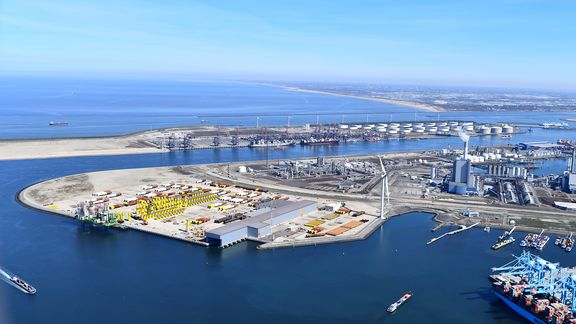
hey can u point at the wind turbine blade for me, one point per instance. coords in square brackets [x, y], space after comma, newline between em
[381, 164]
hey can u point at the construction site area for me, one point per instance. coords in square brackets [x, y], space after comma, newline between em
[175, 202]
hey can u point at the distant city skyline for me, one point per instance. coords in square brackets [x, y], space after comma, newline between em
[507, 43]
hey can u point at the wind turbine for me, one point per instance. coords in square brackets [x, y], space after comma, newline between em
[385, 191]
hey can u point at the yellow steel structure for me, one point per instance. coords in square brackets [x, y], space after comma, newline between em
[164, 207]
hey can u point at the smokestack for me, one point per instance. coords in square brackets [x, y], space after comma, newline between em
[572, 160]
[465, 138]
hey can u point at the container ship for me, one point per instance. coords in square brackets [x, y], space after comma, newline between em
[264, 144]
[538, 290]
[394, 306]
[320, 141]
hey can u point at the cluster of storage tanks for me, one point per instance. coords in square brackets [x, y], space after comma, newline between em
[428, 127]
[412, 128]
[491, 130]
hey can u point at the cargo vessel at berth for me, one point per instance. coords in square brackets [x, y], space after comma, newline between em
[394, 306]
[319, 141]
[272, 144]
[565, 243]
[503, 243]
[537, 241]
[538, 290]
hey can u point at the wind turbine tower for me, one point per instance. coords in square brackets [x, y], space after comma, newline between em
[385, 190]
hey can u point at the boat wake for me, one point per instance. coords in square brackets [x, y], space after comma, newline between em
[7, 276]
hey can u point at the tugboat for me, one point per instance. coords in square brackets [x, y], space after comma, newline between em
[22, 285]
[392, 308]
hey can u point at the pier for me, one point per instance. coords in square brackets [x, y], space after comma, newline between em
[461, 229]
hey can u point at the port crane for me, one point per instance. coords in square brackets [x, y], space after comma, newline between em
[541, 276]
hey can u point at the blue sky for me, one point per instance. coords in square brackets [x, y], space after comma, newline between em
[520, 43]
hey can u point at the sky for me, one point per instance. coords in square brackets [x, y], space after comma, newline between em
[516, 43]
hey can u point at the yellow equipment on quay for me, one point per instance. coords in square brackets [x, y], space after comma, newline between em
[164, 207]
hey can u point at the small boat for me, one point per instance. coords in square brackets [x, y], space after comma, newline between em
[22, 285]
[569, 243]
[58, 123]
[392, 308]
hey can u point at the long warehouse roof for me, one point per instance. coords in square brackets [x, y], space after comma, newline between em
[262, 219]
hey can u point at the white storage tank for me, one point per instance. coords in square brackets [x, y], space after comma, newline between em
[433, 129]
[430, 124]
[419, 130]
[507, 129]
[381, 129]
[392, 131]
[445, 129]
[496, 130]
[469, 128]
[395, 125]
[242, 169]
[343, 126]
[443, 124]
[485, 130]
[453, 123]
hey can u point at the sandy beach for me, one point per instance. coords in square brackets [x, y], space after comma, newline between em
[415, 105]
[55, 148]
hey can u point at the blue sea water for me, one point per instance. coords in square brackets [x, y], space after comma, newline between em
[87, 276]
[112, 107]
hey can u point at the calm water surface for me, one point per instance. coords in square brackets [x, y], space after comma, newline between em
[108, 107]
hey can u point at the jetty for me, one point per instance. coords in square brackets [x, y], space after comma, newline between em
[461, 229]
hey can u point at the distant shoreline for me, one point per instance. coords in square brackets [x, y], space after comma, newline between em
[411, 104]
